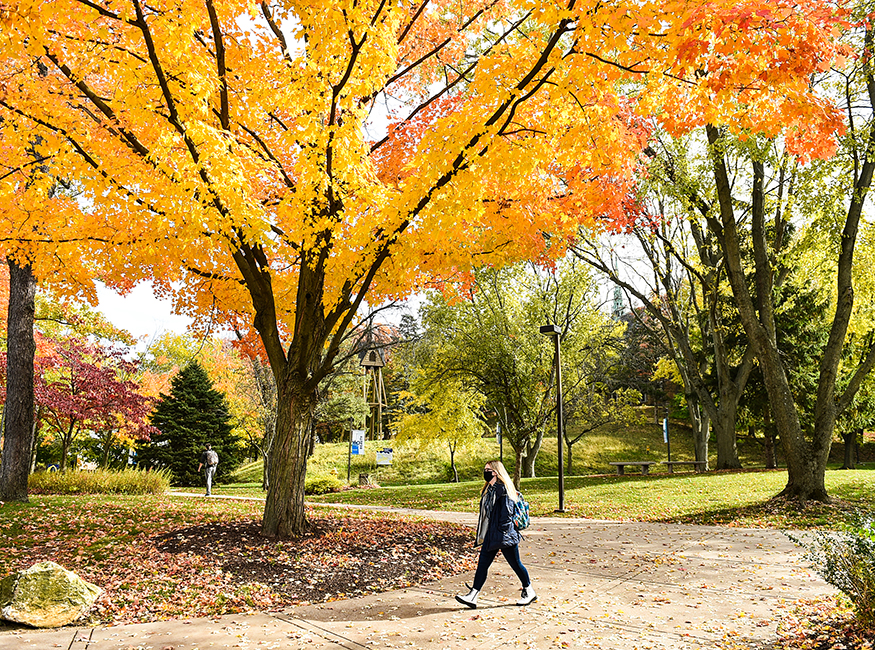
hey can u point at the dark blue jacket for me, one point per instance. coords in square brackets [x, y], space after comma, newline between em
[501, 532]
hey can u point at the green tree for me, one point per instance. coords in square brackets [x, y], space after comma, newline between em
[683, 291]
[443, 413]
[806, 449]
[490, 342]
[192, 415]
[342, 405]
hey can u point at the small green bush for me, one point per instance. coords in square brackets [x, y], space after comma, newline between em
[322, 485]
[846, 560]
[128, 481]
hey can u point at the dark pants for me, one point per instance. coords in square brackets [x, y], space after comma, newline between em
[511, 554]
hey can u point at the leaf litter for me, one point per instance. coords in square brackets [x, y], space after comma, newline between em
[167, 561]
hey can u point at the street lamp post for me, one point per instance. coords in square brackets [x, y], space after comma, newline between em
[554, 331]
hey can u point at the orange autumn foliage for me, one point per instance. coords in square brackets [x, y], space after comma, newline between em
[278, 162]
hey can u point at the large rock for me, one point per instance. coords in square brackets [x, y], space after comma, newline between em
[45, 595]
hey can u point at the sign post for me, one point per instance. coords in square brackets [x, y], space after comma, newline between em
[356, 446]
[665, 436]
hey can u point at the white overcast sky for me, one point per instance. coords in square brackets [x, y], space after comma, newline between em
[140, 312]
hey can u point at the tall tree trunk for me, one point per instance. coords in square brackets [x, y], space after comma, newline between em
[701, 425]
[452, 447]
[18, 421]
[265, 473]
[850, 439]
[284, 508]
[724, 430]
[806, 463]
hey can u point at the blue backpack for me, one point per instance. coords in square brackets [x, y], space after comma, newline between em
[521, 513]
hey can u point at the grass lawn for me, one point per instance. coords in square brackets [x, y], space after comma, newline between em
[419, 478]
[742, 498]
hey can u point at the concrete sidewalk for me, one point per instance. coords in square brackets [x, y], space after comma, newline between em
[599, 585]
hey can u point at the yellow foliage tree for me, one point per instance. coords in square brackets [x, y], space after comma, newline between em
[239, 147]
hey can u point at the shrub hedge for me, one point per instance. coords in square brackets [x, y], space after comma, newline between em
[128, 481]
[846, 560]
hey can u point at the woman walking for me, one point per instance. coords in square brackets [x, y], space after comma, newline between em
[496, 532]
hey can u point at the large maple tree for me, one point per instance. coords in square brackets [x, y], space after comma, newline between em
[279, 161]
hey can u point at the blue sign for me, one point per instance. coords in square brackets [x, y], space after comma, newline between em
[357, 442]
[665, 430]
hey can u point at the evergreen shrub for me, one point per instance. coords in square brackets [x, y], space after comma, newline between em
[846, 560]
[192, 415]
[128, 481]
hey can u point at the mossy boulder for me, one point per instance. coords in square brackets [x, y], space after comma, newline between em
[46, 595]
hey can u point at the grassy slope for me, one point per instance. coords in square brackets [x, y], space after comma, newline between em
[430, 462]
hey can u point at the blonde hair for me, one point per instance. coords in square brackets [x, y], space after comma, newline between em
[498, 467]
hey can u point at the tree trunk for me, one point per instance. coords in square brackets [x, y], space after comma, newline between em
[517, 465]
[311, 449]
[528, 461]
[18, 421]
[2, 429]
[769, 450]
[66, 441]
[806, 463]
[702, 436]
[453, 462]
[33, 449]
[528, 468]
[265, 473]
[107, 444]
[701, 425]
[36, 437]
[284, 508]
[850, 438]
[724, 432]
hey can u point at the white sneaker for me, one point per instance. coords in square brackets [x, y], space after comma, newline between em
[527, 596]
[469, 599]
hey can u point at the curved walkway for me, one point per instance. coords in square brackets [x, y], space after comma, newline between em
[600, 584]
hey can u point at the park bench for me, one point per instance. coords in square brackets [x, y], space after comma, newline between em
[697, 465]
[643, 464]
